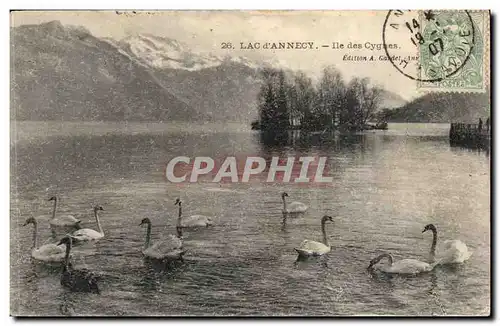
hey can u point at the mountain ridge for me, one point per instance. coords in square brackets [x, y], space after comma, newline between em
[442, 107]
[65, 73]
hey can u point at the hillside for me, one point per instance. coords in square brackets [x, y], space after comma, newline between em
[391, 100]
[226, 92]
[65, 73]
[443, 108]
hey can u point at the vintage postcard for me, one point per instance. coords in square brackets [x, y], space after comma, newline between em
[250, 163]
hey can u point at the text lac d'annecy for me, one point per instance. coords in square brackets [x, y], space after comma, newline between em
[302, 169]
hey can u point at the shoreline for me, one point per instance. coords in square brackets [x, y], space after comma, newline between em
[31, 130]
[28, 129]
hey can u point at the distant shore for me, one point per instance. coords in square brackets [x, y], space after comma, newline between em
[368, 126]
[25, 130]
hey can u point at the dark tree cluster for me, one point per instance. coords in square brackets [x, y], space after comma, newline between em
[294, 101]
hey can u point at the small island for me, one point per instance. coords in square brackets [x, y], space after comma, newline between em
[292, 101]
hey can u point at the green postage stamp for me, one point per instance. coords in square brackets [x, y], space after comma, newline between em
[451, 47]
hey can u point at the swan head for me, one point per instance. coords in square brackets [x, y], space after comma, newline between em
[429, 227]
[379, 258]
[30, 220]
[179, 232]
[178, 202]
[284, 194]
[52, 198]
[98, 208]
[327, 218]
[145, 221]
[78, 225]
[67, 240]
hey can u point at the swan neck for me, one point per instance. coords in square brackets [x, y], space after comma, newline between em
[98, 222]
[323, 230]
[434, 243]
[35, 235]
[390, 259]
[68, 251]
[54, 209]
[148, 237]
[179, 218]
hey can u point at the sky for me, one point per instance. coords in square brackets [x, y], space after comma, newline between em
[205, 31]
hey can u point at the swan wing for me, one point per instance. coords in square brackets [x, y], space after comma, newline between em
[409, 266]
[51, 249]
[164, 249]
[175, 254]
[84, 274]
[456, 245]
[89, 274]
[171, 255]
[312, 248]
[87, 235]
[196, 221]
[64, 220]
[449, 244]
[151, 252]
[455, 252]
[49, 253]
[296, 207]
[173, 241]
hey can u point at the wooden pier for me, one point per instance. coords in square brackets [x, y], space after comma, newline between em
[470, 135]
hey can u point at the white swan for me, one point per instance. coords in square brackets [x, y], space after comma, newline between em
[168, 249]
[313, 248]
[193, 221]
[454, 251]
[294, 207]
[49, 253]
[89, 234]
[62, 220]
[403, 266]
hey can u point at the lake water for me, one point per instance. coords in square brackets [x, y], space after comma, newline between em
[387, 186]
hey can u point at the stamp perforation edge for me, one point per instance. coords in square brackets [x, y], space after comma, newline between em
[486, 63]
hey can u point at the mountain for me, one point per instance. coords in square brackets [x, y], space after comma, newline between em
[224, 88]
[166, 53]
[391, 100]
[443, 108]
[227, 92]
[64, 73]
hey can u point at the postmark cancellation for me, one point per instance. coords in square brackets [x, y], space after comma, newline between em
[452, 47]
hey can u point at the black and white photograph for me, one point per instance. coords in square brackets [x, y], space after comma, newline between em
[246, 163]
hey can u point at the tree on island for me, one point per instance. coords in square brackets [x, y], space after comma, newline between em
[332, 98]
[293, 101]
[273, 108]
